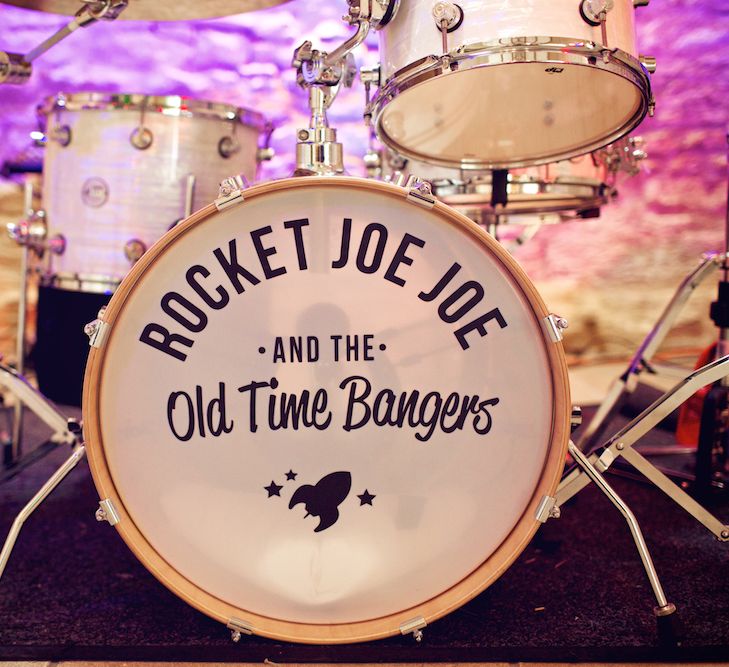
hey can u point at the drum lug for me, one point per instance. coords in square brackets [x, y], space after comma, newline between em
[555, 325]
[107, 512]
[141, 138]
[547, 509]
[370, 75]
[265, 154]
[649, 62]
[448, 17]
[419, 192]
[575, 417]
[414, 626]
[238, 628]
[230, 192]
[134, 249]
[97, 331]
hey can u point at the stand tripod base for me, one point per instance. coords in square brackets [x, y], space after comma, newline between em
[36, 500]
[27, 396]
[663, 608]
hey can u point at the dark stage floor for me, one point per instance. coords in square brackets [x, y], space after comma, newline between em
[72, 590]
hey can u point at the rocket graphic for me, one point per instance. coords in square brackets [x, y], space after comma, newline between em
[322, 499]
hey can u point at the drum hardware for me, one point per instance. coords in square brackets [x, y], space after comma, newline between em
[231, 192]
[317, 150]
[31, 235]
[591, 468]
[642, 361]
[189, 195]
[227, 146]
[238, 628]
[322, 74]
[712, 449]
[625, 155]
[663, 608]
[448, 17]
[134, 249]
[594, 12]
[17, 68]
[71, 462]
[528, 198]
[649, 62]
[61, 134]
[373, 157]
[620, 444]
[142, 137]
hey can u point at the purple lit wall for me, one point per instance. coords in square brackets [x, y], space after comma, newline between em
[663, 220]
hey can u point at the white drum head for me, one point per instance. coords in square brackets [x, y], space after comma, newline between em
[382, 477]
[510, 115]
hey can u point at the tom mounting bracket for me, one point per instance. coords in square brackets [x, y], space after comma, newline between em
[323, 74]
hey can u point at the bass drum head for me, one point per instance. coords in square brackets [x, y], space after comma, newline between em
[326, 444]
[509, 115]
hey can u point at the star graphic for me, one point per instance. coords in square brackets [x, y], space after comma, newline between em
[291, 475]
[273, 489]
[366, 498]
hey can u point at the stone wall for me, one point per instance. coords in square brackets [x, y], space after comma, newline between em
[610, 276]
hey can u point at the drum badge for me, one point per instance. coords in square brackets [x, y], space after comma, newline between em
[94, 192]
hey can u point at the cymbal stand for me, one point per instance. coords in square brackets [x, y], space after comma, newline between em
[621, 443]
[712, 455]
[30, 234]
[13, 453]
[77, 454]
[16, 68]
[642, 361]
[590, 469]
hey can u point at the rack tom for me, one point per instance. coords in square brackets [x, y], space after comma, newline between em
[497, 84]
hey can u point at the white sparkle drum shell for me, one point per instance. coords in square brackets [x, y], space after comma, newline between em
[524, 82]
[542, 194]
[327, 410]
[119, 170]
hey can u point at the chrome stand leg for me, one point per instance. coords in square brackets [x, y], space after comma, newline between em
[621, 445]
[16, 446]
[36, 500]
[628, 381]
[17, 436]
[663, 608]
[21, 388]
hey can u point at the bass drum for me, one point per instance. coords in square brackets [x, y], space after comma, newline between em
[326, 410]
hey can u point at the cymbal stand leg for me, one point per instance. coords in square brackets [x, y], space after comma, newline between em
[18, 385]
[621, 445]
[12, 456]
[663, 607]
[641, 361]
[76, 455]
